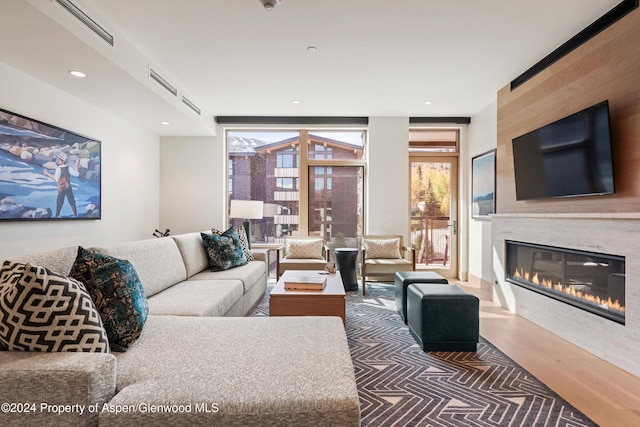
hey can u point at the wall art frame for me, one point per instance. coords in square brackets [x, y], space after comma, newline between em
[483, 185]
[47, 172]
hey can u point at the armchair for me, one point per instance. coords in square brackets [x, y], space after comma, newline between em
[301, 253]
[383, 255]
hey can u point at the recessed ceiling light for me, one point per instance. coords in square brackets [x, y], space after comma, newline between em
[295, 101]
[427, 102]
[76, 73]
[269, 4]
[165, 123]
[312, 49]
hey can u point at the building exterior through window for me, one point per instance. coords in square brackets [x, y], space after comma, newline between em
[311, 182]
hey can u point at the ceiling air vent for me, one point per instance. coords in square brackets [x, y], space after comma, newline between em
[163, 82]
[191, 105]
[86, 20]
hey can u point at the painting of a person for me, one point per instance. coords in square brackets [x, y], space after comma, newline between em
[63, 176]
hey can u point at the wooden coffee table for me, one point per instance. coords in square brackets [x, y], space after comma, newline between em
[328, 302]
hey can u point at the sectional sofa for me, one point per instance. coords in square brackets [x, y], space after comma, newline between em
[198, 360]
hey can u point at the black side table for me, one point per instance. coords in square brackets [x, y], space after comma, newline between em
[346, 260]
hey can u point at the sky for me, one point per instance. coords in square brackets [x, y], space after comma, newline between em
[351, 137]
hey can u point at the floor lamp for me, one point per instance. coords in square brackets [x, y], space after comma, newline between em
[246, 210]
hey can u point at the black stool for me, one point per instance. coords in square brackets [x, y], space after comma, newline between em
[405, 278]
[443, 318]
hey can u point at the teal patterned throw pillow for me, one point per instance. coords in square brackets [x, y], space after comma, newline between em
[224, 251]
[244, 241]
[117, 292]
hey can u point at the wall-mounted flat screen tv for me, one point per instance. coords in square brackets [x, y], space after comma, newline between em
[567, 158]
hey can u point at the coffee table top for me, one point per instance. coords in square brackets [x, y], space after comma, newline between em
[334, 286]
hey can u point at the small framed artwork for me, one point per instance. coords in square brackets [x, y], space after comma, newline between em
[46, 172]
[483, 185]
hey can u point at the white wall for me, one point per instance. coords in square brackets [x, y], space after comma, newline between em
[130, 170]
[387, 184]
[482, 137]
[192, 187]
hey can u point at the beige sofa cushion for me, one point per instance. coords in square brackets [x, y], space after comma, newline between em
[249, 274]
[59, 260]
[193, 252]
[197, 298]
[222, 359]
[157, 261]
[57, 379]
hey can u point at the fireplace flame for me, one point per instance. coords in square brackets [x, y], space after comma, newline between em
[568, 290]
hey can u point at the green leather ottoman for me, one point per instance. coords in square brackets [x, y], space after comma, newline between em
[405, 278]
[443, 318]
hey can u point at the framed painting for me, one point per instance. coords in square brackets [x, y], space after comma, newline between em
[46, 172]
[483, 185]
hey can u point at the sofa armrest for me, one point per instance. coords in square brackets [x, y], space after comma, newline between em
[34, 383]
[262, 255]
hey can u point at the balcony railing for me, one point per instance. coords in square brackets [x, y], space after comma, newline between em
[430, 238]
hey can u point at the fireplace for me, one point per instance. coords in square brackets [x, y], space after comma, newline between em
[591, 281]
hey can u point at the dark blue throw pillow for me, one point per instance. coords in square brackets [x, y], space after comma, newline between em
[224, 251]
[117, 292]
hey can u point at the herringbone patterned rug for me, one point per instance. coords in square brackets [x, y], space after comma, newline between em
[400, 385]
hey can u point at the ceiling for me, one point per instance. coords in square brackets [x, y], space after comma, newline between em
[234, 58]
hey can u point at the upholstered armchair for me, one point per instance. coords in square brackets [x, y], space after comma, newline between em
[301, 253]
[383, 255]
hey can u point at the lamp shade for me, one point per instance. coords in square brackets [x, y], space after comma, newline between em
[247, 209]
[269, 210]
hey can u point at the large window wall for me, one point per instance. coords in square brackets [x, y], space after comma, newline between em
[311, 182]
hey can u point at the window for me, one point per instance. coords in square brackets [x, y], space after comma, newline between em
[318, 152]
[286, 183]
[285, 159]
[433, 140]
[311, 182]
[322, 184]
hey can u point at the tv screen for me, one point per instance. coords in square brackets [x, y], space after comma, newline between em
[569, 157]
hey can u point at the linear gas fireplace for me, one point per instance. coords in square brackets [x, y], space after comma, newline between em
[591, 281]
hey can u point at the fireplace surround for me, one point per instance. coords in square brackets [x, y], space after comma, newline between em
[592, 281]
[612, 341]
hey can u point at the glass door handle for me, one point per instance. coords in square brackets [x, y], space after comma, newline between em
[454, 227]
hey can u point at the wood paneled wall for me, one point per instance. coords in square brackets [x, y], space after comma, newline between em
[605, 67]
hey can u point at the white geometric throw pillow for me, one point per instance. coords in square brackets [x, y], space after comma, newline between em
[44, 311]
[242, 233]
[304, 248]
[382, 248]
